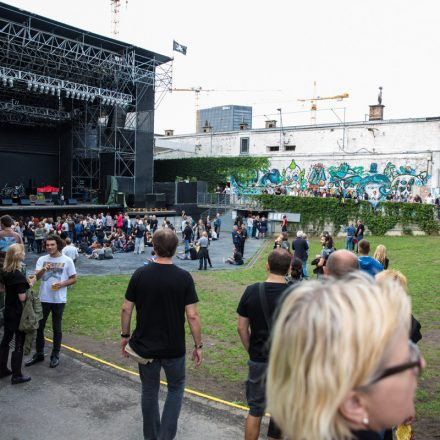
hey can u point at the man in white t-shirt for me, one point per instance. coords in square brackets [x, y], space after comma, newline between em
[56, 272]
[70, 250]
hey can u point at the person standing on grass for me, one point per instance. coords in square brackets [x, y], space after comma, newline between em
[351, 231]
[359, 234]
[163, 295]
[255, 311]
[300, 250]
[57, 272]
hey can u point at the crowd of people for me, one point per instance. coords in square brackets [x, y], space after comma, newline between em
[331, 359]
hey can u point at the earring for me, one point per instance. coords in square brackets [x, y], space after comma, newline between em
[365, 420]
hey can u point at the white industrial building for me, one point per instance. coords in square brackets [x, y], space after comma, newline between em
[372, 156]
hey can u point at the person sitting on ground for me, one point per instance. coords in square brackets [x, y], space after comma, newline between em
[380, 254]
[148, 239]
[367, 263]
[129, 245]
[70, 250]
[341, 262]
[236, 259]
[108, 251]
[97, 253]
[323, 330]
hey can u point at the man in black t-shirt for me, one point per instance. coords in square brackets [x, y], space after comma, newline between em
[254, 324]
[162, 294]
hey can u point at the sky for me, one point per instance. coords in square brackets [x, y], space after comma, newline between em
[274, 51]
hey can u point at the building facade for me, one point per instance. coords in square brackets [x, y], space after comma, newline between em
[223, 118]
[374, 156]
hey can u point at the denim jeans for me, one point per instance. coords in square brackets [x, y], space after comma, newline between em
[358, 238]
[305, 271]
[57, 316]
[186, 242]
[165, 427]
[349, 243]
[137, 244]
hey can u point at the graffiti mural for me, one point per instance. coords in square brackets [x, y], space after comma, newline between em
[377, 183]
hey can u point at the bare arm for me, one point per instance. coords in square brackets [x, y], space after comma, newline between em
[71, 280]
[192, 315]
[126, 312]
[244, 331]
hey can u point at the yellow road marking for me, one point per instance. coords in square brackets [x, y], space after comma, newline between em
[134, 373]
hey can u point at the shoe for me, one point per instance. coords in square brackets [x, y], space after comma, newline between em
[37, 357]
[54, 361]
[15, 380]
[210, 266]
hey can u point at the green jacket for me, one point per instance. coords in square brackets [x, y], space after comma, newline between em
[30, 318]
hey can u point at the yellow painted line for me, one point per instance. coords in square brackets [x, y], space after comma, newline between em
[134, 373]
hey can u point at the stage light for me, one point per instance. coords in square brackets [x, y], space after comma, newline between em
[41, 89]
[113, 101]
[67, 93]
[35, 87]
[46, 89]
[52, 90]
[92, 98]
[5, 81]
[83, 96]
[11, 82]
[29, 85]
[58, 91]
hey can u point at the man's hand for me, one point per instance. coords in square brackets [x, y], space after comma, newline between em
[56, 286]
[197, 357]
[124, 342]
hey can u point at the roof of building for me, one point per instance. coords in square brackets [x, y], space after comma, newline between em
[14, 14]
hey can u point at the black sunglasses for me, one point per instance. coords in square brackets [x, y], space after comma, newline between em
[415, 363]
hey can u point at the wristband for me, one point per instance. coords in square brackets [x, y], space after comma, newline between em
[125, 335]
[198, 346]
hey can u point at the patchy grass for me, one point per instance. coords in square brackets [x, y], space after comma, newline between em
[94, 306]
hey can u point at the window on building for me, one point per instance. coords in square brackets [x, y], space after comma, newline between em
[244, 145]
[274, 148]
[289, 147]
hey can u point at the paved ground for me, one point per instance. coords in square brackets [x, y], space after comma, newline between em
[80, 400]
[127, 263]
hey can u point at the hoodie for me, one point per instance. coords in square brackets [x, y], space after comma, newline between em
[370, 265]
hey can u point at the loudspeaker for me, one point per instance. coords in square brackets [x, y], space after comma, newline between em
[120, 198]
[7, 202]
[25, 202]
[130, 200]
[72, 202]
[40, 202]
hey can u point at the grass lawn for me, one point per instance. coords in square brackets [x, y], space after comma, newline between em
[94, 305]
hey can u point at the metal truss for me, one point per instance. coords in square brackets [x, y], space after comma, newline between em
[98, 88]
[46, 84]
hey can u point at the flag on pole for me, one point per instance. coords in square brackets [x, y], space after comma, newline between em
[179, 47]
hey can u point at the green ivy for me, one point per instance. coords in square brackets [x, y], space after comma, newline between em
[214, 170]
[318, 211]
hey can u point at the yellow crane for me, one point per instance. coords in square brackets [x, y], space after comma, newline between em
[314, 107]
[115, 8]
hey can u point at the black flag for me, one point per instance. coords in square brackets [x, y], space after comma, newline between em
[179, 47]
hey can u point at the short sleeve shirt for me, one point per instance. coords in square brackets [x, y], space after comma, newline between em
[250, 307]
[160, 293]
[62, 269]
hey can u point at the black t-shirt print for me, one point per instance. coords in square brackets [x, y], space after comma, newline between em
[160, 293]
[250, 307]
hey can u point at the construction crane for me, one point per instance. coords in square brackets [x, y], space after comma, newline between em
[115, 7]
[314, 107]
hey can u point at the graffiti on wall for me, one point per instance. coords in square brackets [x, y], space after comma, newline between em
[377, 183]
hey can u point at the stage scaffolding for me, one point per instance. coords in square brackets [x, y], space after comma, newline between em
[100, 91]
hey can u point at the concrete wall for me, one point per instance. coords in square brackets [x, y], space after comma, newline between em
[404, 153]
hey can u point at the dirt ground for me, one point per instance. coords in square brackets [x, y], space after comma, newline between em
[425, 428]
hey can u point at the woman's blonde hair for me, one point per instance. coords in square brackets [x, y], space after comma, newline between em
[396, 275]
[330, 338]
[380, 254]
[14, 257]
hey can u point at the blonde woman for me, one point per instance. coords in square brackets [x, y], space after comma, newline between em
[380, 254]
[332, 374]
[15, 286]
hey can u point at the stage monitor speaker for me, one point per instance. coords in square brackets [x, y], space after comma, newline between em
[72, 202]
[40, 202]
[7, 202]
[25, 202]
[130, 200]
[120, 198]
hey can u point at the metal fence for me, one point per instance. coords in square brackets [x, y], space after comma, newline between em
[226, 201]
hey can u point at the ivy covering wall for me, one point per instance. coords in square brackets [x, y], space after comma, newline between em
[318, 211]
[214, 170]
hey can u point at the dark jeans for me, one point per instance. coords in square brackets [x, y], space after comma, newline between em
[39, 244]
[57, 316]
[165, 427]
[7, 338]
[204, 258]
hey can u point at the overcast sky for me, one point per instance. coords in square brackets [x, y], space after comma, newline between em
[267, 46]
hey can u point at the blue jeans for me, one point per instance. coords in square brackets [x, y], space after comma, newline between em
[165, 427]
[349, 243]
[358, 238]
[186, 242]
[305, 271]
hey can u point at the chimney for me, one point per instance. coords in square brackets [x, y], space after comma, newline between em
[244, 126]
[169, 132]
[376, 110]
[207, 128]
[271, 124]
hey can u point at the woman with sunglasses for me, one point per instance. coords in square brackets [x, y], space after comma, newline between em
[341, 366]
